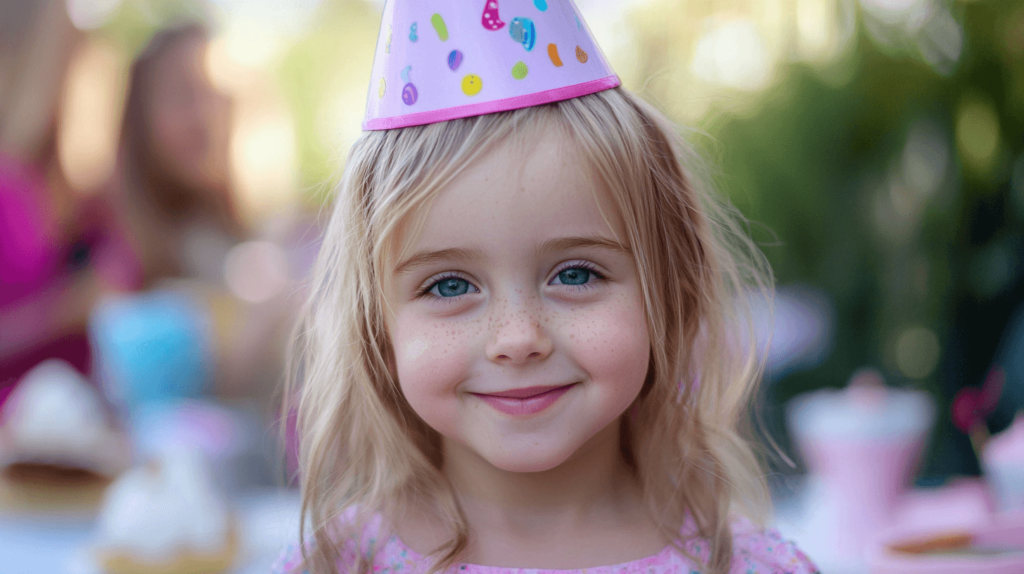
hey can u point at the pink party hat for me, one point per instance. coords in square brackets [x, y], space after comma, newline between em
[439, 60]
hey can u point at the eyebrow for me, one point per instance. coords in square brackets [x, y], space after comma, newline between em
[428, 257]
[561, 244]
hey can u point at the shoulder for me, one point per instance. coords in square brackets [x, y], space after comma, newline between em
[374, 544]
[764, 551]
[755, 550]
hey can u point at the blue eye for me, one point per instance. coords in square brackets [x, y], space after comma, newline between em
[574, 276]
[451, 287]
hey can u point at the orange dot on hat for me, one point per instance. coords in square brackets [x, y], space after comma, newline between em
[553, 54]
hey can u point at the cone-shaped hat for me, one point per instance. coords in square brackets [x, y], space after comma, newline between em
[439, 60]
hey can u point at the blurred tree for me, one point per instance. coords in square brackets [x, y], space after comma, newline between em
[325, 78]
[896, 193]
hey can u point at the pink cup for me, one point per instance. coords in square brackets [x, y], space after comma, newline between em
[861, 446]
[1003, 461]
[861, 480]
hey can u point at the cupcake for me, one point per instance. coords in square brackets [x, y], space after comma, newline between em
[58, 447]
[166, 518]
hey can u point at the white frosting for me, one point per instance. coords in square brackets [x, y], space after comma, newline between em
[862, 412]
[157, 511]
[55, 416]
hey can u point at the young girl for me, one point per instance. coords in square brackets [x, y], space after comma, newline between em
[528, 345]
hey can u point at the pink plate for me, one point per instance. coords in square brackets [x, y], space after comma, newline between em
[994, 548]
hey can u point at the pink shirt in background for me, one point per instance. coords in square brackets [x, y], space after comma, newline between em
[38, 267]
[28, 254]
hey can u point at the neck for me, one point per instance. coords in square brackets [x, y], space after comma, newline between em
[594, 482]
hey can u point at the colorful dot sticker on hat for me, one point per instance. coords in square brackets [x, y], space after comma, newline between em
[472, 84]
[439, 26]
[409, 94]
[553, 54]
[520, 70]
[529, 52]
[490, 19]
[454, 59]
[523, 31]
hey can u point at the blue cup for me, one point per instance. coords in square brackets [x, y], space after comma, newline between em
[153, 347]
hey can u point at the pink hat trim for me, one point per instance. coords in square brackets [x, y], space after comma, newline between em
[513, 103]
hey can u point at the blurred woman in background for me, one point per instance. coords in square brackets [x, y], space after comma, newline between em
[60, 249]
[180, 205]
[175, 141]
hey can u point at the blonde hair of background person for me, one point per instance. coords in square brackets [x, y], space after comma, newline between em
[365, 452]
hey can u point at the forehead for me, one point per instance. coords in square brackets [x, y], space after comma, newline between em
[533, 187]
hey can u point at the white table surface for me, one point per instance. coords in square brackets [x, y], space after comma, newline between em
[55, 544]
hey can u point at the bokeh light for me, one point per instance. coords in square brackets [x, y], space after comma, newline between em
[731, 53]
[825, 29]
[925, 161]
[263, 156]
[917, 352]
[256, 271]
[977, 133]
[92, 115]
[91, 14]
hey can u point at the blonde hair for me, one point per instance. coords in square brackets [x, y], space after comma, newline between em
[363, 450]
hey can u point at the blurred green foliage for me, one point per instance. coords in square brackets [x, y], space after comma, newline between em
[815, 163]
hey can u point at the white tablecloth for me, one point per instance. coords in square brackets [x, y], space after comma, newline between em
[56, 544]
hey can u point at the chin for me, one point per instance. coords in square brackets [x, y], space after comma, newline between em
[529, 458]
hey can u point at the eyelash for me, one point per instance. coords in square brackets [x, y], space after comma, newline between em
[597, 275]
[433, 281]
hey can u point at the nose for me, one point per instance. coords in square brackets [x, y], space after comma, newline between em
[517, 337]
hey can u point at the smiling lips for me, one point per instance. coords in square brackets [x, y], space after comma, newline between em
[528, 401]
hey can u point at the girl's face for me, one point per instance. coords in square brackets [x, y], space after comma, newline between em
[189, 121]
[517, 318]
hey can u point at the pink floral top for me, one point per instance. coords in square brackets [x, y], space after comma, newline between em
[755, 551]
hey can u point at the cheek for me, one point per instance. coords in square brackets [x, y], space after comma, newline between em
[431, 360]
[612, 345]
